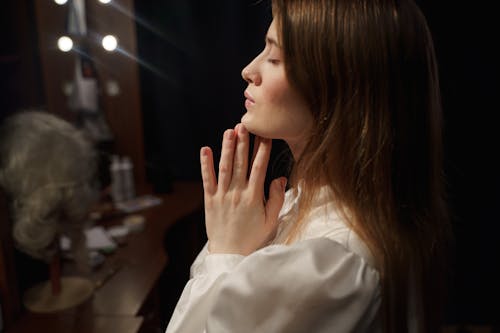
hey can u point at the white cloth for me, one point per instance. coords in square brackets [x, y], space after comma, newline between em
[325, 281]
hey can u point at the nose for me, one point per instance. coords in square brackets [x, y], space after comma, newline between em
[250, 74]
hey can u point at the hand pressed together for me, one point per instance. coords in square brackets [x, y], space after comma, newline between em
[237, 217]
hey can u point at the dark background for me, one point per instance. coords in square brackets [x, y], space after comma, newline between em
[193, 90]
[469, 69]
[192, 53]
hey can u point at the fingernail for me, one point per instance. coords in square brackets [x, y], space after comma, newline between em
[229, 134]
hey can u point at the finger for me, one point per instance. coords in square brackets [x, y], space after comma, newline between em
[226, 159]
[275, 202]
[259, 166]
[256, 143]
[240, 163]
[207, 171]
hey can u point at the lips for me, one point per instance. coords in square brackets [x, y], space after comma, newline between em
[249, 99]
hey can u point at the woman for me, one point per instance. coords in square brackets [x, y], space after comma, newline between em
[357, 244]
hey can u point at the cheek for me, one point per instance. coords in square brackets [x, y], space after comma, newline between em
[286, 102]
[290, 117]
[277, 92]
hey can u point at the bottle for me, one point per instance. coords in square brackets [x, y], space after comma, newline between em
[117, 193]
[128, 178]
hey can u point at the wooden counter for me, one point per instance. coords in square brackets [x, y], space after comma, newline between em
[129, 275]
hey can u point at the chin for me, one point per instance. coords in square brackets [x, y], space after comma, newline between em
[249, 125]
[258, 132]
[254, 128]
[245, 122]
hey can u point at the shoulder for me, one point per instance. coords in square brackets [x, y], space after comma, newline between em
[325, 220]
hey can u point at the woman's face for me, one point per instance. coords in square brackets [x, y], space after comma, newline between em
[274, 109]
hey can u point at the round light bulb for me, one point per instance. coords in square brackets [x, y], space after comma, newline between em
[105, 1]
[65, 43]
[60, 2]
[109, 43]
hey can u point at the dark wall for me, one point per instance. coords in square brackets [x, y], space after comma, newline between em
[469, 68]
[20, 73]
[191, 87]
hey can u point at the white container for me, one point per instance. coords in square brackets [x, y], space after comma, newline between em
[117, 188]
[128, 178]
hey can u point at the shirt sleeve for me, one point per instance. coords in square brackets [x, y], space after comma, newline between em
[312, 286]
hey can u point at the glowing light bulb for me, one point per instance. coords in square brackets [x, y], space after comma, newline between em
[105, 1]
[65, 43]
[60, 2]
[109, 43]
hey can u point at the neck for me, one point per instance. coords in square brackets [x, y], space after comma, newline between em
[296, 147]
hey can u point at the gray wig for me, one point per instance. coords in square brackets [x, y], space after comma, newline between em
[47, 169]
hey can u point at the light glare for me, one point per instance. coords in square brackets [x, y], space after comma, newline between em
[65, 43]
[60, 2]
[109, 43]
[105, 1]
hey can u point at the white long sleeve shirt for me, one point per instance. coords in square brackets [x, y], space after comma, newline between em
[326, 281]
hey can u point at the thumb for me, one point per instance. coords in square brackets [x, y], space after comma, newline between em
[275, 202]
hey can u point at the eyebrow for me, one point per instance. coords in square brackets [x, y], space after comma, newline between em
[272, 41]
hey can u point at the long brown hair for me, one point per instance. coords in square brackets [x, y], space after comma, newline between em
[368, 71]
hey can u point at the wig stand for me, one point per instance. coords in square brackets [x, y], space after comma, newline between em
[59, 293]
